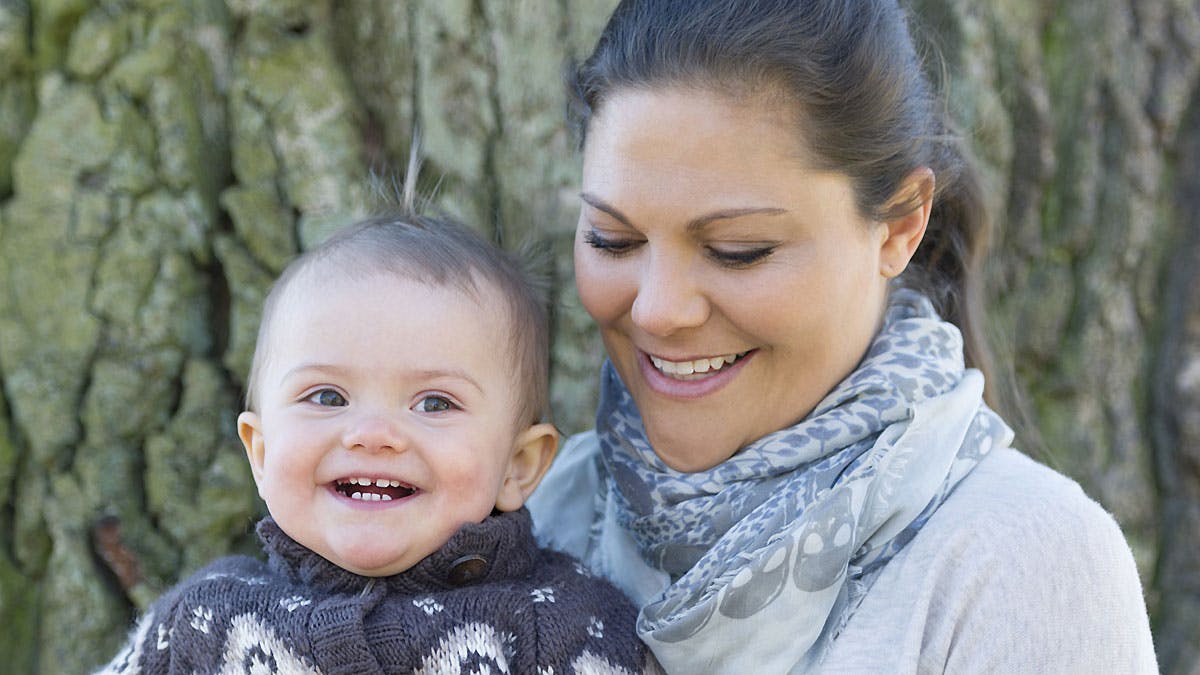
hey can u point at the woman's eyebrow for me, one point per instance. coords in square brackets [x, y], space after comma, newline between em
[698, 223]
[703, 221]
[601, 205]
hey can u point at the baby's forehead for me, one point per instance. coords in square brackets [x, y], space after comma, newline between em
[489, 307]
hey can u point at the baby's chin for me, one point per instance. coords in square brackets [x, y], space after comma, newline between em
[368, 554]
[372, 560]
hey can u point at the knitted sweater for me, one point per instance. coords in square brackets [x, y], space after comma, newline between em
[487, 601]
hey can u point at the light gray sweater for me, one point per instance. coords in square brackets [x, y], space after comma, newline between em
[1017, 572]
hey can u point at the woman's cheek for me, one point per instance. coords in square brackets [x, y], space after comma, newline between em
[601, 285]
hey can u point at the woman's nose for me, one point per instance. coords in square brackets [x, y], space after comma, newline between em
[670, 297]
[373, 431]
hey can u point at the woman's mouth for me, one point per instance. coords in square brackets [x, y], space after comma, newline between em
[373, 489]
[696, 369]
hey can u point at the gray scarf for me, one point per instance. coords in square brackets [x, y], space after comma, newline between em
[772, 549]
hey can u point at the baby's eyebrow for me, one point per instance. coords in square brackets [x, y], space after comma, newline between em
[324, 368]
[445, 373]
[418, 374]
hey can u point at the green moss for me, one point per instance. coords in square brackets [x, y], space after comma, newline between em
[46, 169]
[75, 601]
[19, 616]
[46, 335]
[197, 479]
[248, 284]
[14, 38]
[262, 223]
[129, 395]
[53, 23]
[295, 126]
[97, 42]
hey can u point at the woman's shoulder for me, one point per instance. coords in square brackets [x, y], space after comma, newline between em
[1010, 500]
[1018, 570]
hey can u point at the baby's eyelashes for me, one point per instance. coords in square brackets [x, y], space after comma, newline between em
[327, 398]
[434, 403]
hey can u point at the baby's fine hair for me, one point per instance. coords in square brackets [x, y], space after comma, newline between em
[443, 252]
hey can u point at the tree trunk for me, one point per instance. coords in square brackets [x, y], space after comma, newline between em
[160, 162]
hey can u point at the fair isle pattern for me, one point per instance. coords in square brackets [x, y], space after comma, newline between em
[473, 648]
[252, 648]
[301, 614]
[809, 513]
[126, 661]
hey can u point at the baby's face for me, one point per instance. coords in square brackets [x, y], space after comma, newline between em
[386, 417]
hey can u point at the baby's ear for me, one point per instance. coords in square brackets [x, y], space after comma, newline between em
[250, 431]
[534, 450]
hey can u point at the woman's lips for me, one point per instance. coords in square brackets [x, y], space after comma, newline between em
[707, 375]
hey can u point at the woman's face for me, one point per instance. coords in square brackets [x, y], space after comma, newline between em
[734, 286]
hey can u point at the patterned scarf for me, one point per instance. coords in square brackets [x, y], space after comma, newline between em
[775, 546]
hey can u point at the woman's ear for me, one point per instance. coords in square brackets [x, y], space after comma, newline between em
[249, 426]
[533, 451]
[904, 233]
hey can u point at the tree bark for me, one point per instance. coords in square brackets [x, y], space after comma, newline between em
[161, 162]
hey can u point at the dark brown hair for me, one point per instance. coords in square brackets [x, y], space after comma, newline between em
[443, 252]
[864, 107]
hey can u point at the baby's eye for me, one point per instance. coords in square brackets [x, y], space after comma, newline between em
[434, 403]
[327, 397]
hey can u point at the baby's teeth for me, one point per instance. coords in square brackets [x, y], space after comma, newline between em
[381, 482]
[394, 483]
[356, 495]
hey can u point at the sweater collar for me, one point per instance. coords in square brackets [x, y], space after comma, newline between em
[501, 547]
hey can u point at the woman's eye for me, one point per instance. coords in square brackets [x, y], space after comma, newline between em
[328, 397]
[607, 245]
[434, 403]
[740, 258]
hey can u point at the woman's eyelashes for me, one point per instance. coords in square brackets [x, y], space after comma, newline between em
[740, 257]
[734, 258]
[611, 246]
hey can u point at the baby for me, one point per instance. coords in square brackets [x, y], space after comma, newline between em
[393, 427]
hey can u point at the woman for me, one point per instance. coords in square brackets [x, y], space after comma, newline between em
[793, 468]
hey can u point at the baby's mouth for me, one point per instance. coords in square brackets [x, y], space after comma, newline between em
[373, 489]
[695, 369]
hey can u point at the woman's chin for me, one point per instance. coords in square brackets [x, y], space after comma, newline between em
[682, 451]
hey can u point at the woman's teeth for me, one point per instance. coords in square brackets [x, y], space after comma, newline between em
[693, 370]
